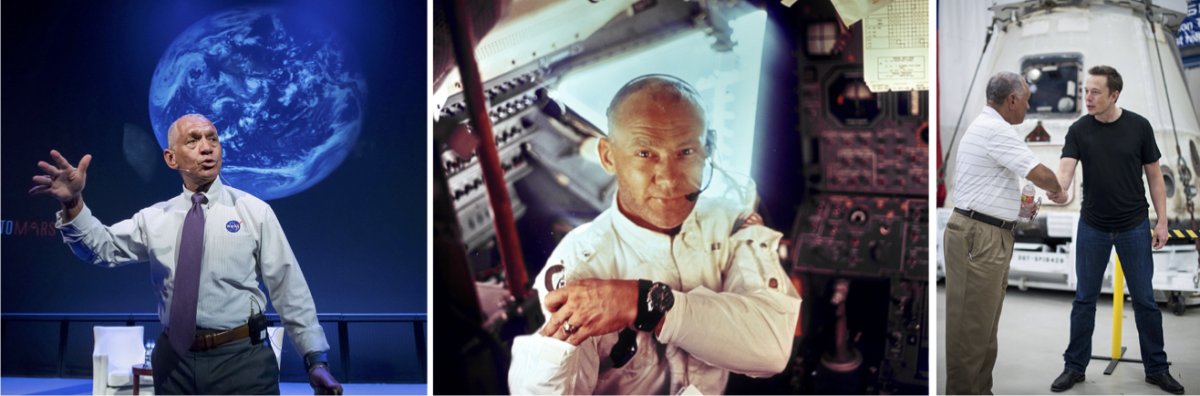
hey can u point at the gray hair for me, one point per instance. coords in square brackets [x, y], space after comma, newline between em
[675, 88]
[1001, 85]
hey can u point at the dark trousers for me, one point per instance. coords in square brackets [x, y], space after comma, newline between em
[1092, 251]
[238, 367]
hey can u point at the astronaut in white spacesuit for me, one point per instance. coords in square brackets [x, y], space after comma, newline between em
[695, 281]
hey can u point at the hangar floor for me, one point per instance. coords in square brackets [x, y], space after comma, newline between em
[1034, 332]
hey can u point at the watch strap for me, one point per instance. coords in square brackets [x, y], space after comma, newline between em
[647, 317]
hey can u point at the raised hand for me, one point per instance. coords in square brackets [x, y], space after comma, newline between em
[62, 181]
[591, 307]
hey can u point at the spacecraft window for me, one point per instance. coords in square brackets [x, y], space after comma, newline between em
[728, 83]
[821, 38]
[850, 102]
[1054, 84]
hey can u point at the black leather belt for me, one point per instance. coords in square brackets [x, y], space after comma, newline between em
[1007, 225]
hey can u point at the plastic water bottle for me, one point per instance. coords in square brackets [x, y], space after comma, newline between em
[1028, 206]
[149, 351]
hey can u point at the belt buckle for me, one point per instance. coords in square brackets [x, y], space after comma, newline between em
[208, 341]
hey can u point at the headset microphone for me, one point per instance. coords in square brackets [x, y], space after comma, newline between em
[199, 166]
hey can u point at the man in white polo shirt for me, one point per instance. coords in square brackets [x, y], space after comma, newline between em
[978, 239]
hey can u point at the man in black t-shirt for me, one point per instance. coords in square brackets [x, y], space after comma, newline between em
[1115, 147]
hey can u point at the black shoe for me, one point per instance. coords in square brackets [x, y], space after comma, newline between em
[1067, 379]
[1164, 381]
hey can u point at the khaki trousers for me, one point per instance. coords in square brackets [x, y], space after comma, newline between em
[977, 257]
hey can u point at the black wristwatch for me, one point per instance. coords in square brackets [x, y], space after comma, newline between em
[654, 300]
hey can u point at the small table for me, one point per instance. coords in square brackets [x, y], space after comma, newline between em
[138, 371]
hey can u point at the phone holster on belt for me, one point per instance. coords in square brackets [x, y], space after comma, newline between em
[258, 328]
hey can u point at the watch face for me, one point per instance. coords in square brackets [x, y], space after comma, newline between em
[661, 298]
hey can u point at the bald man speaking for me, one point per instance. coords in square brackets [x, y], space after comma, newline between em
[206, 247]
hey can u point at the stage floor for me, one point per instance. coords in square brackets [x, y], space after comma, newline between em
[83, 386]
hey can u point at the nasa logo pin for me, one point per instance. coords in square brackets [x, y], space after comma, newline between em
[233, 226]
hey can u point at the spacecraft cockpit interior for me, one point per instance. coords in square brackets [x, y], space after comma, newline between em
[835, 162]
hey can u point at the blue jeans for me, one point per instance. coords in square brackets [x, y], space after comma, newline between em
[1092, 249]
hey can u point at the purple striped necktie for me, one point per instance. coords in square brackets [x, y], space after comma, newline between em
[187, 278]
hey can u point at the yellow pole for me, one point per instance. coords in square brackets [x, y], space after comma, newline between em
[1118, 306]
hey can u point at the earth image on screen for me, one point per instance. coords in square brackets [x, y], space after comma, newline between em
[286, 105]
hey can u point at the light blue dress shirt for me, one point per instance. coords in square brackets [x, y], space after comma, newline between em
[242, 241]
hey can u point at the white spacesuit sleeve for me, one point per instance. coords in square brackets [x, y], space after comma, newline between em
[548, 366]
[748, 326]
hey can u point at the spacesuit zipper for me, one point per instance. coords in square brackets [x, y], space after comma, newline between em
[675, 262]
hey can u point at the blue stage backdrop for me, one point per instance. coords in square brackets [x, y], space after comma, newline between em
[322, 111]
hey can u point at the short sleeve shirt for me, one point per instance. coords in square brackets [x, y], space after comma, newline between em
[1112, 155]
[991, 161]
